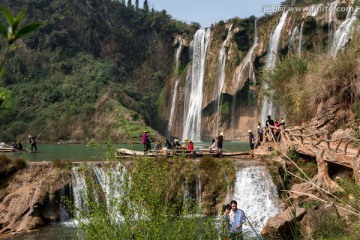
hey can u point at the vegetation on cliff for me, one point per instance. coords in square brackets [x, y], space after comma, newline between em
[88, 60]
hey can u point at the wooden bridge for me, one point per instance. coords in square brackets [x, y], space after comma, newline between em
[344, 151]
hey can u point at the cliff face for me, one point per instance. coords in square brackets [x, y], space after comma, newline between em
[28, 196]
[247, 53]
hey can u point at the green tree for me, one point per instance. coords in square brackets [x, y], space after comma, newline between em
[12, 33]
[136, 5]
[146, 6]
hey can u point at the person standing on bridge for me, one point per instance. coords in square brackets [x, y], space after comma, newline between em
[220, 140]
[251, 140]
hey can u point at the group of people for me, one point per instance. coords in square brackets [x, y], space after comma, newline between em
[275, 128]
[233, 219]
[17, 145]
[145, 138]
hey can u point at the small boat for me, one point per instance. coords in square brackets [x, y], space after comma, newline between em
[123, 152]
[7, 149]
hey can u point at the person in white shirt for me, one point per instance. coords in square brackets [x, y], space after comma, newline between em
[237, 218]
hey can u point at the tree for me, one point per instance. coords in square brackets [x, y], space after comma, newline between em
[136, 5]
[129, 4]
[146, 6]
[12, 33]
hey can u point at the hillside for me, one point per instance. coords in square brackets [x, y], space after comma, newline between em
[93, 71]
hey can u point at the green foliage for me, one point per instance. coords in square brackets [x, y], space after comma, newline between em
[285, 83]
[149, 200]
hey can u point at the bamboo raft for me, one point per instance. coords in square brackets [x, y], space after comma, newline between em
[124, 152]
[6, 149]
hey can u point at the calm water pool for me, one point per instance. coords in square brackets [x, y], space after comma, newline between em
[84, 152]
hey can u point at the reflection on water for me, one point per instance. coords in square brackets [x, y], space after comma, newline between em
[96, 152]
[53, 232]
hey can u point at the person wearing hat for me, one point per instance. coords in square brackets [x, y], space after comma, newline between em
[176, 144]
[32, 141]
[251, 140]
[220, 140]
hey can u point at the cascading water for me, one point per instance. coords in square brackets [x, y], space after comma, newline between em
[268, 107]
[173, 101]
[79, 190]
[300, 40]
[343, 33]
[220, 80]
[256, 195]
[332, 18]
[294, 35]
[246, 64]
[192, 118]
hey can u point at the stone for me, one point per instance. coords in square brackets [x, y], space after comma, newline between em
[280, 225]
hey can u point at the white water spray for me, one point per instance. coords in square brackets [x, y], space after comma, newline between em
[268, 107]
[256, 195]
[192, 118]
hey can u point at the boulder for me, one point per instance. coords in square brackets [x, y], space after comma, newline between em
[281, 224]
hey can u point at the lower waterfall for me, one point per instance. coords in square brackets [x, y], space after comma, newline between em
[256, 195]
[253, 189]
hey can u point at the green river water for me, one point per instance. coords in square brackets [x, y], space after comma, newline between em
[97, 152]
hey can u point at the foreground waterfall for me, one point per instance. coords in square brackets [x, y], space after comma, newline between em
[268, 107]
[256, 195]
[192, 117]
[219, 84]
[343, 34]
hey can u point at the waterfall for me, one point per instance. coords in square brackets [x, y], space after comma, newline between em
[300, 39]
[192, 118]
[220, 80]
[174, 96]
[268, 107]
[79, 189]
[172, 109]
[294, 34]
[198, 192]
[256, 195]
[246, 64]
[332, 18]
[343, 33]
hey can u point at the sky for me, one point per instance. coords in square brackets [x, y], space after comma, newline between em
[207, 12]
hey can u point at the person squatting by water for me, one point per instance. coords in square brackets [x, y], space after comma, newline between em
[236, 220]
[32, 141]
[213, 147]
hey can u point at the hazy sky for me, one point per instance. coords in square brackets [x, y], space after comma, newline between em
[207, 12]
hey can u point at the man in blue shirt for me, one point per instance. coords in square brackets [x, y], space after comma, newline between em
[237, 218]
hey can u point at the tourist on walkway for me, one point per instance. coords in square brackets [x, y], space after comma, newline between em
[237, 218]
[143, 140]
[213, 147]
[220, 140]
[251, 140]
[260, 132]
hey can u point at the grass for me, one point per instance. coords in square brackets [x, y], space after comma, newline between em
[9, 165]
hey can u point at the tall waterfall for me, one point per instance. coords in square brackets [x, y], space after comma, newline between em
[246, 64]
[343, 33]
[300, 40]
[268, 107]
[220, 80]
[256, 195]
[192, 118]
[174, 96]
